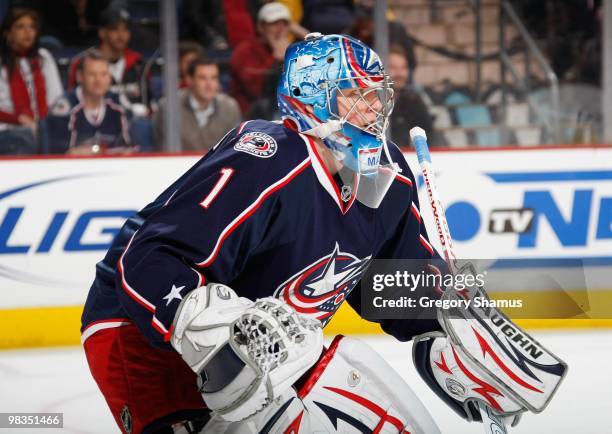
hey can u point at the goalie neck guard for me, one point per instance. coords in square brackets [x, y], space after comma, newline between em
[320, 70]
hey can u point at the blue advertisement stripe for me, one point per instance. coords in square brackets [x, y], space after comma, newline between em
[586, 175]
[5, 194]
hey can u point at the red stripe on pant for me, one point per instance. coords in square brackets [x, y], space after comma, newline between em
[150, 382]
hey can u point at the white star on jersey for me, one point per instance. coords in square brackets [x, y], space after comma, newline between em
[329, 279]
[174, 293]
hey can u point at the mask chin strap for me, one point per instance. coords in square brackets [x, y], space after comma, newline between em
[388, 155]
[325, 129]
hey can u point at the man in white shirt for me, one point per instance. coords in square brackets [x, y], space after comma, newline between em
[206, 113]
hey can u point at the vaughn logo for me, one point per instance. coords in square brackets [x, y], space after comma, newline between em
[258, 144]
[319, 289]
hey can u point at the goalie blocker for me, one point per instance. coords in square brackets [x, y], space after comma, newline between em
[484, 357]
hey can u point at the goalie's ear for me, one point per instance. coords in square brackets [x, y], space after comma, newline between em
[421, 356]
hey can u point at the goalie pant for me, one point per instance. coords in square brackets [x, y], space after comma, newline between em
[261, 214]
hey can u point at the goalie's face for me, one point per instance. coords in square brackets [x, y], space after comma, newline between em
[358, 107]
[365, 108]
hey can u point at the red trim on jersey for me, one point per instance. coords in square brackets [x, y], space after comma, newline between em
[425, 244]
[160, 327]
[320, 366]
[241, 127]
[83, 329]
[404, 179]
[201, 278]
[344, 207]
[126, 286]
[97, 326]
[415, 211]
[248, 212]
[155, 322]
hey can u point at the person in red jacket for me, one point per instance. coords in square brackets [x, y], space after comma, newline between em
[255, 61]
[29, 82]
[127, 66]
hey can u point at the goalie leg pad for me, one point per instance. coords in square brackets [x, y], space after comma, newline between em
[351, 389]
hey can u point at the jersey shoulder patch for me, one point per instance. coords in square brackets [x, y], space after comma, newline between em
[265, 139]
[257, 143]
[61, 107]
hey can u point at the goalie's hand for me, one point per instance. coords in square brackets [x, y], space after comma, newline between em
[280, 343]
[246, 354]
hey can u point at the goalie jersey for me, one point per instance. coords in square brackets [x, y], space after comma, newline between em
[261, 214]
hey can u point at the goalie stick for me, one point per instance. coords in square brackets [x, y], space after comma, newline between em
[492, 422]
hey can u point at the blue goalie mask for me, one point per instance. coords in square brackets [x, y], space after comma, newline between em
[334, 87]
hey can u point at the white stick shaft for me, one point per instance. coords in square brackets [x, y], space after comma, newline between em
[492, 422]
[420, 143]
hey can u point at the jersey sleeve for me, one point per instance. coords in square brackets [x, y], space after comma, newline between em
[205, 232]
[408, 241]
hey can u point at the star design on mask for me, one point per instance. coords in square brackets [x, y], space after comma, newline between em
[175, 293]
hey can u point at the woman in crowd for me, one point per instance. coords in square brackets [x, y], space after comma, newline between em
[29, 83]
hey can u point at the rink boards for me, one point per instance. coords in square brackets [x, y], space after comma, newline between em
[520, 209]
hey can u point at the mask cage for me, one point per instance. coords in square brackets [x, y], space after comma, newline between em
[376, 99]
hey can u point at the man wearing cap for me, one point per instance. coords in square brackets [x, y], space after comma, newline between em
[255, 62]
[126, 66]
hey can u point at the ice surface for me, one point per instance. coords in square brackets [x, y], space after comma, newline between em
[58, 380]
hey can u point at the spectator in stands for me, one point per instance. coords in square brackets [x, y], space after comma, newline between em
[206, 114]
[363, 28]
[188, 52]
[29, 83]
[69, 21]
[255, 61]
[90, 119]
[409, 109]
[205, 21]
[126, 66]
[328, 16]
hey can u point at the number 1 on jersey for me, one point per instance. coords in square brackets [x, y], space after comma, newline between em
[226, 174]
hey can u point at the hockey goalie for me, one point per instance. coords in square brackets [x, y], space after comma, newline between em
[206, 314]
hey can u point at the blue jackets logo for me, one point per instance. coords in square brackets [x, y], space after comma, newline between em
[319, 289]
[258, 144]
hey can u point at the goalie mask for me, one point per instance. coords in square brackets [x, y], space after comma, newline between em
[334, 87]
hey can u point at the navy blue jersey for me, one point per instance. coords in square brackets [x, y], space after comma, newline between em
[261, 214]
[70, 125]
